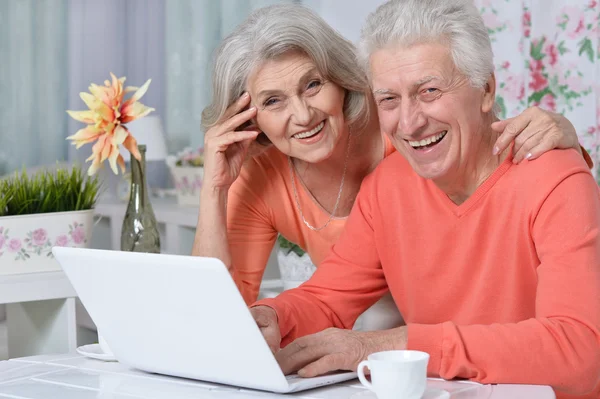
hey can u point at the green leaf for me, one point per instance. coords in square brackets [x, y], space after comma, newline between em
[536, 50]
[502, 106]
[537, 96]
[286, 244]
[562, 50]
[585, 46]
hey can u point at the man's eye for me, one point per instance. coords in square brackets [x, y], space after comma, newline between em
[430, 90]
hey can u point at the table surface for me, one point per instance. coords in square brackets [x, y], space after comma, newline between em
[71, 376]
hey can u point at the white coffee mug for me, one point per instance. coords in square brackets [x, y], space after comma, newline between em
[396, 374]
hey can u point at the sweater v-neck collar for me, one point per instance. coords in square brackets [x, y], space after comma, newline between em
[460, 210]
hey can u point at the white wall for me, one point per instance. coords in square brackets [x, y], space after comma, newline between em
[346, 16]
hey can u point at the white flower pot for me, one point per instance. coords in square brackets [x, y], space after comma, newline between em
[188, 181]
[26, 241]
[294, 269]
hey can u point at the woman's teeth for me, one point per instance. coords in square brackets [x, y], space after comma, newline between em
[310, 133]
[428, 141]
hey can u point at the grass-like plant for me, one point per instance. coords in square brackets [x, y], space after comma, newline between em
[45, 192]
[288, 246]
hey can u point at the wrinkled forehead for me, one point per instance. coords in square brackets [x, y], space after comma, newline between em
[283, 70]
[411, 65]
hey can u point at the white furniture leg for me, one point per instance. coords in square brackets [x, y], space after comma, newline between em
[41, 327]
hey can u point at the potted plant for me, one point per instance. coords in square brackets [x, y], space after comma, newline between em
[187, 170]
[44, 210]
[295, 266]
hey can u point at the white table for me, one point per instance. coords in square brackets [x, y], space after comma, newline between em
[71, 376]
[40, 313]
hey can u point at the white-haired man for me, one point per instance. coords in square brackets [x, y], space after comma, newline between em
[494, 266]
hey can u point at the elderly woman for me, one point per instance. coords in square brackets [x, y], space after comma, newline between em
[297, 81]
[495, 266]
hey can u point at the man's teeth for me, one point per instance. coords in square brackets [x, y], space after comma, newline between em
[312, 132]
[428, 140]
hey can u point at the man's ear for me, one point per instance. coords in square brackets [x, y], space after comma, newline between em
[489, 94]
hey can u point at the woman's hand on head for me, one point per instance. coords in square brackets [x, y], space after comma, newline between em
[534, 132]
[225, 147]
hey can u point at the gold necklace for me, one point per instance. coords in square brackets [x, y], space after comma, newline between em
[337, 201]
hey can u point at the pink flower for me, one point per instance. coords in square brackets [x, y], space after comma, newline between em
[62, 241]
[591, 130]
[552, 53]
[592, 4]
[14, 245]
[505, 65]
[39, 237]
[538, 82]
[2, 240]
[526, 22]
[491, 20]
[548, 102]
[572, 18]
[78, 235]
[514, 87]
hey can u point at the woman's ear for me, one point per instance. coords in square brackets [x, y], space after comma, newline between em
[489, 94]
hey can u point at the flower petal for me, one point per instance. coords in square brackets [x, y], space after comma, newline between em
[119, 135]
[86, 135]
[121, 163]
[82, 116]
[112, 159]
[141, 91]
[89, 100]
[131, 144]
[95, 164]
[135, 111]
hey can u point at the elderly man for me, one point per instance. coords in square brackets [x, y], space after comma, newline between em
[494, 266]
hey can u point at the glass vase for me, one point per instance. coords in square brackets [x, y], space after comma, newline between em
[139, 232]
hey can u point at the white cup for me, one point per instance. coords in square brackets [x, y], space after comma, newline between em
[396, 374]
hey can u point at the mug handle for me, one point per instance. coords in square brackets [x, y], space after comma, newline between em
[361, 374]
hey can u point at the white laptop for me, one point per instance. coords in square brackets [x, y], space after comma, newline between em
[177, 315]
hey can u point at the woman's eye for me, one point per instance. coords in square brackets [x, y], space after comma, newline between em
[313, 84]
[430, 90]
[270, 102]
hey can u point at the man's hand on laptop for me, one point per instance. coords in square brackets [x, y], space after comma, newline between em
[266, 319]
[336, 349]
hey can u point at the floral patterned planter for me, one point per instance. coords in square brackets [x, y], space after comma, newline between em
[26, 241]
[294, 269]
[188, 181]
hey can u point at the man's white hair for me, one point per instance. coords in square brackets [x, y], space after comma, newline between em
[455, 22]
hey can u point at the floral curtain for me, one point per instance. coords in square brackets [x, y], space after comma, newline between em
[547, 53]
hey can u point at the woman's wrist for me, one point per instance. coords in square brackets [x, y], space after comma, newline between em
[214, 194]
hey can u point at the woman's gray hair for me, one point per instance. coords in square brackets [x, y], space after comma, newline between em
[408, 22]
[273, 31]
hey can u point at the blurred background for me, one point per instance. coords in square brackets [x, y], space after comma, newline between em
[547, 53]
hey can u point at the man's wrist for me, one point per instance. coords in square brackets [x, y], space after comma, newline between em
[386, 340]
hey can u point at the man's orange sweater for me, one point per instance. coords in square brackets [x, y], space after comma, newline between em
[503, 288]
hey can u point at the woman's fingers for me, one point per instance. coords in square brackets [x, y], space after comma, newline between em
[223, 142]
[237, 120]
[510, 129]
[237, 106]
